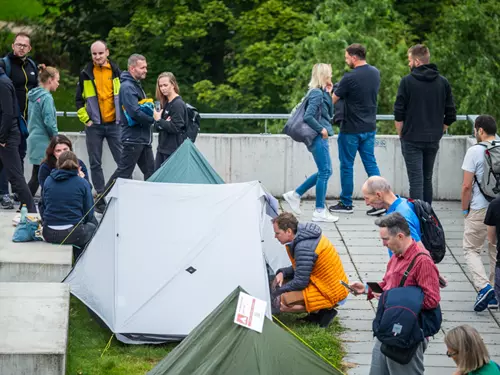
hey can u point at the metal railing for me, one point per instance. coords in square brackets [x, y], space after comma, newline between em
[274, 116]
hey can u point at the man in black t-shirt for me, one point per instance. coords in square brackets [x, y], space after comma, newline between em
[492, 220]
[358, 89]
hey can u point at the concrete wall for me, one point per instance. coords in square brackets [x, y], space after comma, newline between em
[281, 164]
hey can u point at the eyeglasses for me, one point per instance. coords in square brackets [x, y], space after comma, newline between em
[19, 45]
[451, 354]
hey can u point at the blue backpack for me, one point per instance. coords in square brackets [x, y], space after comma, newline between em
[400, 323]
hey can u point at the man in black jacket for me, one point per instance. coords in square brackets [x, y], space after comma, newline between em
[10, 137]
[423, 110]
[23, 73]
[136, 132]
[97, 104]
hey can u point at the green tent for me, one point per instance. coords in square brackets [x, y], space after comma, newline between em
[186, 165]
[218, 346]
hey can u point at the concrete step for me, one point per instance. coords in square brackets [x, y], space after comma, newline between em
[33, 328]
[31, 261]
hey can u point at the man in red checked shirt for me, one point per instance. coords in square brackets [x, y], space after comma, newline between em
[395, 235]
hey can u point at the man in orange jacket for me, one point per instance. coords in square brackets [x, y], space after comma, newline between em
[312, 282]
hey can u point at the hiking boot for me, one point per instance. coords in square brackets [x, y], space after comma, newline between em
[341, 208]
[6, 202]
[376, 211]
[484, 296]
[325, 317]
[324, 216]
[293, 199]
[493, 304]
[100, 204]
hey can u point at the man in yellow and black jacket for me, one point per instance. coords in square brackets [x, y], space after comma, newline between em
[98, 108]
[312, 282]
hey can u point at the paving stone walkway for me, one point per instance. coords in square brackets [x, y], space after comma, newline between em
[356, 238]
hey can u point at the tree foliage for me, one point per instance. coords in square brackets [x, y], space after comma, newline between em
[256, 55]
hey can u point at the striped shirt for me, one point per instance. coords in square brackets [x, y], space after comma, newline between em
[424, 274]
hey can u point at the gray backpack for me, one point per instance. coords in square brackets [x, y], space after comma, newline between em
[296, 128]
[490, 183]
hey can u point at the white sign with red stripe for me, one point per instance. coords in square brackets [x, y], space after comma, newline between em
[250, 312]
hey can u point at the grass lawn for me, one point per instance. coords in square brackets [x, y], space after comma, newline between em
[87, 341]
[19, 10]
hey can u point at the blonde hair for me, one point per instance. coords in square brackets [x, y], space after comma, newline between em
[68, 161]
[48, 72]
[162, 98]
[469, 346]
[320, 73]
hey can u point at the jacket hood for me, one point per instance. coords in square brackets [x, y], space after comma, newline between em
[37, 93]
[307, 231]
[62, 174]
[126, 76]
[427, 72]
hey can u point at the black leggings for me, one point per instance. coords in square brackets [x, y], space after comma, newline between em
[78, 237]
[33, 184]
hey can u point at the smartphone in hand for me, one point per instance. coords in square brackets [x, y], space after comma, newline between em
[349, 288]
[375, 287]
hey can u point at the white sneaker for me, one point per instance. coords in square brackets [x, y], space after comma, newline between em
[324, 216]
[293, 201]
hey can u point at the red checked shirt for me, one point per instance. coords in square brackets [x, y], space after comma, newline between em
[423, 274]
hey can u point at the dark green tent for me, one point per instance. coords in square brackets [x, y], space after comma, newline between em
[218, 346]
[186, 165]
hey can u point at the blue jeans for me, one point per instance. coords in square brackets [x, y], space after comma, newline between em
[349, 144]
[321, 153]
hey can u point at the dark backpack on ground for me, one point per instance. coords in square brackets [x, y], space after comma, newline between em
[400, 324]
[432, 231]
[490, 183]
[193, 124]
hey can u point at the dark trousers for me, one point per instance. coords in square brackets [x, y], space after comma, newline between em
[95, 136]
[133, 154]
[160, 159]
[4, 182]
[10, 161]
[419, 158]
[78, 237]
[33, 183]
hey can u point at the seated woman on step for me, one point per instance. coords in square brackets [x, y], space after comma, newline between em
[58, 144]
[67, 205]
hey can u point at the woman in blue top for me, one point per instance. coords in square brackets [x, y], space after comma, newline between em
[58, 145]
[318, 115]
[466, 347]
[68, 205]
[42, 121]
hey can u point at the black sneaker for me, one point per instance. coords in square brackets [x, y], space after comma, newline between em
[376, 211]
[326, 317]
[100, 204]
[342, 208]
[6, 202]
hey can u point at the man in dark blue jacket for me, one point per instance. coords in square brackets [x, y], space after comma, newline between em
[136, 134]
[10, 138]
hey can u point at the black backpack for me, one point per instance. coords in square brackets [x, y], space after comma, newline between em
[432, 231]
[193, 124]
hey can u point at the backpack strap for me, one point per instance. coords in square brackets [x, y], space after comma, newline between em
[488, 198]
[7, 66]
[410, 267]
[33, 64]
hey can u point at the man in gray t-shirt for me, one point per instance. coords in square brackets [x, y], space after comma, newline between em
[474, 206]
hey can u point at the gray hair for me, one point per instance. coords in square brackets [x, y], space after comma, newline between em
[135, 58]
[395, 223]
[376, 183]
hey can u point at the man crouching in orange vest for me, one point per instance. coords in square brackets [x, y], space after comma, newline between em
[312, 282]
